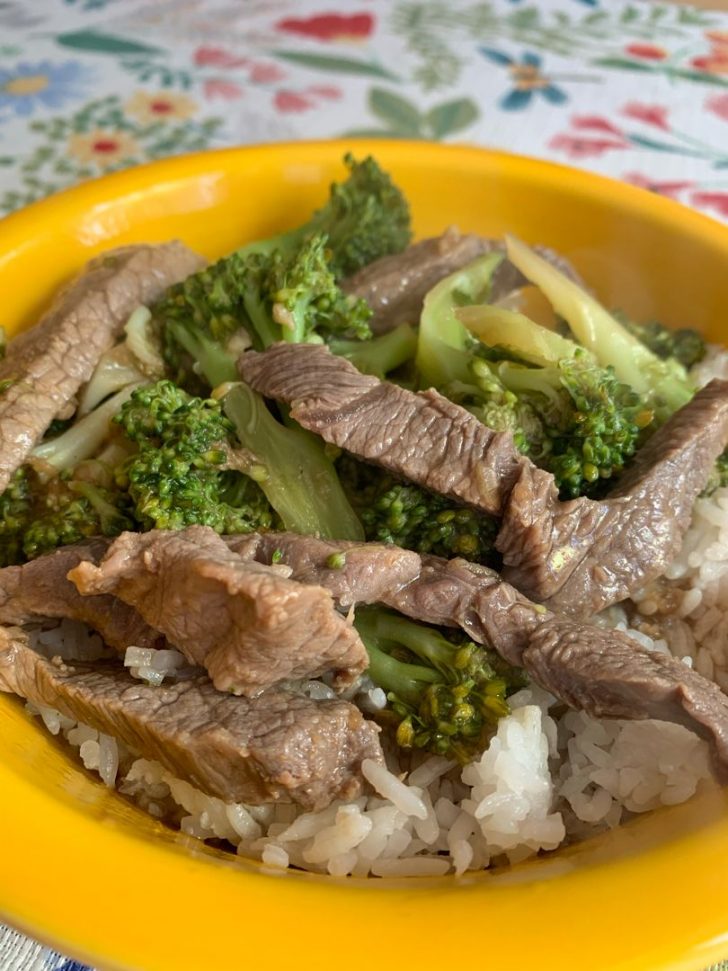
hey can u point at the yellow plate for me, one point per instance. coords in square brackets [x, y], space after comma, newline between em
[87, 872]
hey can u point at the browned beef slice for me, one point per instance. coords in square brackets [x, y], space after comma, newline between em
[578, 556]
[447, 593]
[246, 623]
[606, 674]
[40, 589]
[369, 570]
[603, 672]
[50, 362]
[277, 747]
[423, 437]
[395, 286]
[581, 555]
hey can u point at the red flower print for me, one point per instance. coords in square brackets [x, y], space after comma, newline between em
[595, 123]
[325, 91]
[714, 63]
[650, 114]
[717, 38]
[718, 104]
[711, 200]
[648, 52]
[576, 147]
[291, 101]
[330, 26]
[217, 57]
[219, 88]
[261, 73]
[670, 189]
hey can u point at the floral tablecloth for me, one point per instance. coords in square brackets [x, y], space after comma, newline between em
[635, 90]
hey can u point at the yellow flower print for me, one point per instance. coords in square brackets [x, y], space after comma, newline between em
[102, 147]
[146, 107]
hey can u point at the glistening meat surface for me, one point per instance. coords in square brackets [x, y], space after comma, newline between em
[247, 624]
[47, 365]
[278, 747]
[41, 589]
[603, 672]
[395, 286]
[579, 556]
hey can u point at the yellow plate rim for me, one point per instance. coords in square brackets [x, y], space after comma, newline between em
[202, 891]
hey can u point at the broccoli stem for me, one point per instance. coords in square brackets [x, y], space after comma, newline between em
[428, 644]
[380, 355]
[84, 438]
[447, 705]
[442, 338]
[292, 469]
[610, 342]
[513, 331]
[215, 363]
[403, 679]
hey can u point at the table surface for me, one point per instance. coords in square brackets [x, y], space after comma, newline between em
[634, 90]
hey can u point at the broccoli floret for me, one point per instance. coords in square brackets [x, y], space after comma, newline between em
[684, 345]
[380, 355]
[290, 464]
[70, 515]
[299, 293]
[292, 297]
[16, 509]
[65, 511]
[186, 469]
[591, 423]
[451, 360]
[293, 470]
[663, 384]
[444, 693]
[366, 217]
[401, 513]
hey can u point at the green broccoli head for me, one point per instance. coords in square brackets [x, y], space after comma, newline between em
[16, 510]
[37, 516]
[184, 472]
[685, 345]
[401, 513]
[366, 217]
[302, 296]
[72, 511]
[444, 693]
[289, 294]
[593, 423]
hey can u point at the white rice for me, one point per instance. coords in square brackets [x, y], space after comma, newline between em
[547, 777]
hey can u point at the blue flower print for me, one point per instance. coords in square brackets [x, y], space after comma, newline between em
[527, 78]
[26, 86]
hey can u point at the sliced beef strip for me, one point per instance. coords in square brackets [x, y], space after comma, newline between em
[578, 556]
[246, 623]
[603, 672]
[423, 437]
[447, 593]
[606, 674]
[395, 286]
[49, 363]
[40, 589]
[277, 747]
[582, 555]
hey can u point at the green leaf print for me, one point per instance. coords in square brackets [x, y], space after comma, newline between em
[453, 116]
[396, 112]
[335, 65]
[402, 119]
[90, 40]
[623, 63]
